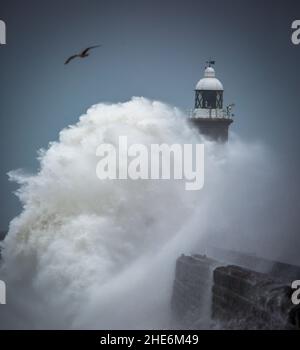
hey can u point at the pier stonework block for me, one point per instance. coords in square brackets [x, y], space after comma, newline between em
[231, 297]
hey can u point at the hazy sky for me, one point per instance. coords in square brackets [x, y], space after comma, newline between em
[151, 48]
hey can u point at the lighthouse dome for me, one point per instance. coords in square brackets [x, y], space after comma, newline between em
[209, 82]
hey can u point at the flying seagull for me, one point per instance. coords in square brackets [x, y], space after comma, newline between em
[82, 54]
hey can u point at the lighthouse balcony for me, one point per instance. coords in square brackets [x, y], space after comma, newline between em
[205, 113]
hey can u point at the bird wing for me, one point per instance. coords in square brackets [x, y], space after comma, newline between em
[70, 58]
[85, 51]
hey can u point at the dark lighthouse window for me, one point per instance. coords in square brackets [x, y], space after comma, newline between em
[209, 99]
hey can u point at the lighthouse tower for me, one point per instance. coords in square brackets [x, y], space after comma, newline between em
[209, 116]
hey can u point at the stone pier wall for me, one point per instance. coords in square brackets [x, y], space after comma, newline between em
[207, 295]
[246, 299]
[192, 288]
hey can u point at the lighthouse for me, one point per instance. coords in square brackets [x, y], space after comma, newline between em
[209, 116]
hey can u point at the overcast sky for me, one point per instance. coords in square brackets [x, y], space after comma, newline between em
[151, 48]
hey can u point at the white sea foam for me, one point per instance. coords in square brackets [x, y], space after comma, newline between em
[86, 253]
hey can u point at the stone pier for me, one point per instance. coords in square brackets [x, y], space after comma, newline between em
[209, 294]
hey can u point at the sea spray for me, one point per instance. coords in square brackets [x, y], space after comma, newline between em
[77, 234]
[86, 253]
